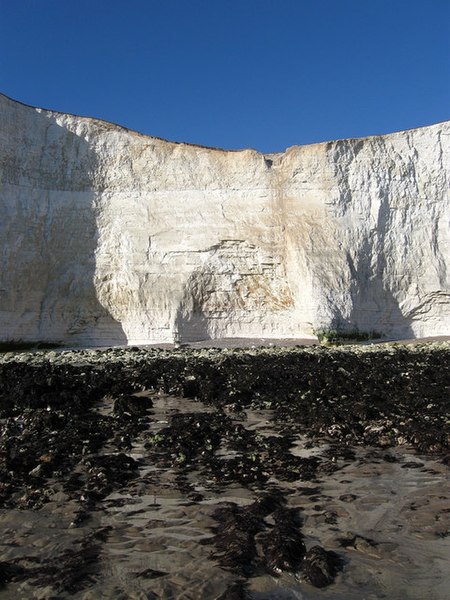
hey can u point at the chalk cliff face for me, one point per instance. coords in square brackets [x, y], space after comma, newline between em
[112, 237]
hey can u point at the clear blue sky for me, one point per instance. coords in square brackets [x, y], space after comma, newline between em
[265, 74]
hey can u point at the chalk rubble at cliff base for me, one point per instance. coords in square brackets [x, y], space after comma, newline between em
[249, 445]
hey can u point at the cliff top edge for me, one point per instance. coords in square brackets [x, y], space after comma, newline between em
[125, 129]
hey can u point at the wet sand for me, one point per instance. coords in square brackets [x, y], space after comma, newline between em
[132, 506]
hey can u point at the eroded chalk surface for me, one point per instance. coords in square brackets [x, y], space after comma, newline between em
[112, 237]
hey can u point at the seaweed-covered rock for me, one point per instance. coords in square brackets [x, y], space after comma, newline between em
[283, 545]
[320, 566]
[9, 571]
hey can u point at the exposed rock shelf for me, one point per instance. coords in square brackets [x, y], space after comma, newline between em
[250, 473]
[112, 237]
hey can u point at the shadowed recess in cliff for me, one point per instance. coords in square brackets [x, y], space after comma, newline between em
[47, 288]
[374, 306]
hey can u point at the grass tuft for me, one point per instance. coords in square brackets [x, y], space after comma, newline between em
[338, 336]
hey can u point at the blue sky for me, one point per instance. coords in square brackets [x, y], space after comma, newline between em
[266, 74]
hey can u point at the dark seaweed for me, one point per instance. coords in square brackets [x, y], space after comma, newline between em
[53, 438]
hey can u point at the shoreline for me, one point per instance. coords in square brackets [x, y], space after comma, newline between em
[215, 344]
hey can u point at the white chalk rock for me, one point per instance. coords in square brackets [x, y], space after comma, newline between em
[108, 236]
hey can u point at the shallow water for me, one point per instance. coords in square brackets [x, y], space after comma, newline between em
[385, 512]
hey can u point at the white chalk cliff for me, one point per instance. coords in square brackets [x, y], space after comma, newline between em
[108, 236]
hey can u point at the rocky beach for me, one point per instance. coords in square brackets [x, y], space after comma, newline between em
[226, 473]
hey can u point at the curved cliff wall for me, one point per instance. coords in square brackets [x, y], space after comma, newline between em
[111, 237]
